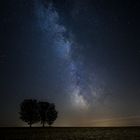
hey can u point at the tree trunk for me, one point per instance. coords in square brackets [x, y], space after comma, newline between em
[30, 125]
[43, 125]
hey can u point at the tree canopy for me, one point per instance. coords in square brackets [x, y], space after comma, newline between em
[29, 111]
[43, 108]
[51, 114]
[32, 112]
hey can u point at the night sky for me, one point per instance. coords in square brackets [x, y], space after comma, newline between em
[82, 55]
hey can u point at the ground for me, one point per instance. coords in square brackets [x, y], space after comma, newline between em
[71, 133]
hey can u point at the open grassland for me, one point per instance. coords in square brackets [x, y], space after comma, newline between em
[71, 133]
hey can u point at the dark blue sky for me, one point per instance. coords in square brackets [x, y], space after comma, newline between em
[83, 55]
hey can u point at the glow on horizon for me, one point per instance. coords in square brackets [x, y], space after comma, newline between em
[104, 122]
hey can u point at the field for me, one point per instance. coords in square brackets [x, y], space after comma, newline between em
[71, 133]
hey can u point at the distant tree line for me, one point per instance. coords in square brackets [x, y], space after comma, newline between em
[32, 111]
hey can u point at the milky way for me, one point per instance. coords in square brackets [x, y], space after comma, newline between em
[63, 47]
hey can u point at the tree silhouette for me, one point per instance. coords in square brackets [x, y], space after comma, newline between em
[29, 111]
[43, 108]
[51, 114]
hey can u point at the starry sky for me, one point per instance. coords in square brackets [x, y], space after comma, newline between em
[82, 55]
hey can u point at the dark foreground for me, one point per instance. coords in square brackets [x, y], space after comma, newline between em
[71, 133]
